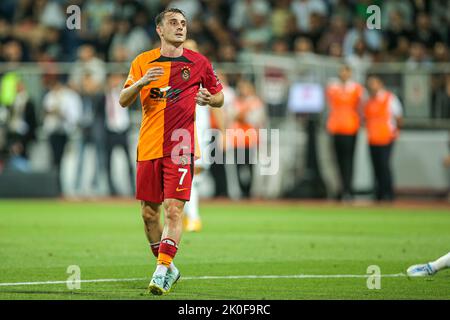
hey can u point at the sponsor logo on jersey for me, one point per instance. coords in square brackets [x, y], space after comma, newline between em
[164, 93]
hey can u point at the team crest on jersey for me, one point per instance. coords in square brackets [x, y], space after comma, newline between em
[185, 73]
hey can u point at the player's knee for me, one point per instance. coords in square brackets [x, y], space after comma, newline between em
[150, 213]
[173, 209]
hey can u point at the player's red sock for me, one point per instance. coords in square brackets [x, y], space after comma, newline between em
[155, 248]
[167, 251]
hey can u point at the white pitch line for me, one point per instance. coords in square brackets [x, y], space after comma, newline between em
[294, 276]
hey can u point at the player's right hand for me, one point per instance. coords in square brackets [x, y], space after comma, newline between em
[152, 74]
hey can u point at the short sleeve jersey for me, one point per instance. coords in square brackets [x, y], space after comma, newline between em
[168, 104]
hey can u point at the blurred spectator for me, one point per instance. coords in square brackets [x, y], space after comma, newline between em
[343, 9]
[424, 32]
[104, 38]
[440, 105]
[441, 102]
[92, 131]
[242, 11]
[383, 116]
[303, 45]
[304, 9]
[316, 29]
[17, 161]
[51, 45]
[95, 12]
[246, 116]
[87, 63]
[127, 9]
[396, 30]
[440, 17]
[418, 57]
[51, 13]
[135, 39]
[227, 53]
[218, 170]
[117, 122]
[399, 8]
[191, 8]
[401, 52]
[9, 88]
[280, 46]
[335, 34]
[360, 60]
[22, 122]
[256, 36]
[280, 18]
[62, 111]
[371, 37]
[441, 53]
[345, 98]
[335, 50]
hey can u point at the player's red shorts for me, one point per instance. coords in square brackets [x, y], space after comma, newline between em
[164, 178]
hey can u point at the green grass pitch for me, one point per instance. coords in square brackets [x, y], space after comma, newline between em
[40, 239]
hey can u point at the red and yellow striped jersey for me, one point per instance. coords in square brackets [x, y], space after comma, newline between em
[169, 103]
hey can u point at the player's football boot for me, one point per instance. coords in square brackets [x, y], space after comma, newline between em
[193, 225]
[156, 285]
[420, 270]
[171, 279]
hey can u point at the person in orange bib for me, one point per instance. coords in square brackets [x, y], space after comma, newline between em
[383, 117]
[344, 98]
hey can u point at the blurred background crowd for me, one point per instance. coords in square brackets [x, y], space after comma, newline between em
[416, 31]
[413, 32]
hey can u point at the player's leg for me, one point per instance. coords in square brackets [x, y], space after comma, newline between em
[152, 223]
[166, 274]
[153, 230]
[193, 221]
[429, 269]
[177, 182]
[149, 191]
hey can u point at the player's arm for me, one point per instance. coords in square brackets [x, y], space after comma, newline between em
[205, 97]
[129, 94]
[397, 110]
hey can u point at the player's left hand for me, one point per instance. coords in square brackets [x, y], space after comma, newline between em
[203, 97]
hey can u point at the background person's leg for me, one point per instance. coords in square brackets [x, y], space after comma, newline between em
[339, 164]
[376, 158]
[349, 150]
[388, 189]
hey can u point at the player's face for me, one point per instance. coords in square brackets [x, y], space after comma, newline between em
[173, 28]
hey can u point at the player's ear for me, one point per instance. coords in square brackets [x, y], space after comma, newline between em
[159, 31]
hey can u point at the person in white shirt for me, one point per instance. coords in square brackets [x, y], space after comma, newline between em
[117, 124]
[62, 107]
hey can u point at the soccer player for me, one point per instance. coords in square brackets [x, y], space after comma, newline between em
[429, 269]
[168, 80]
